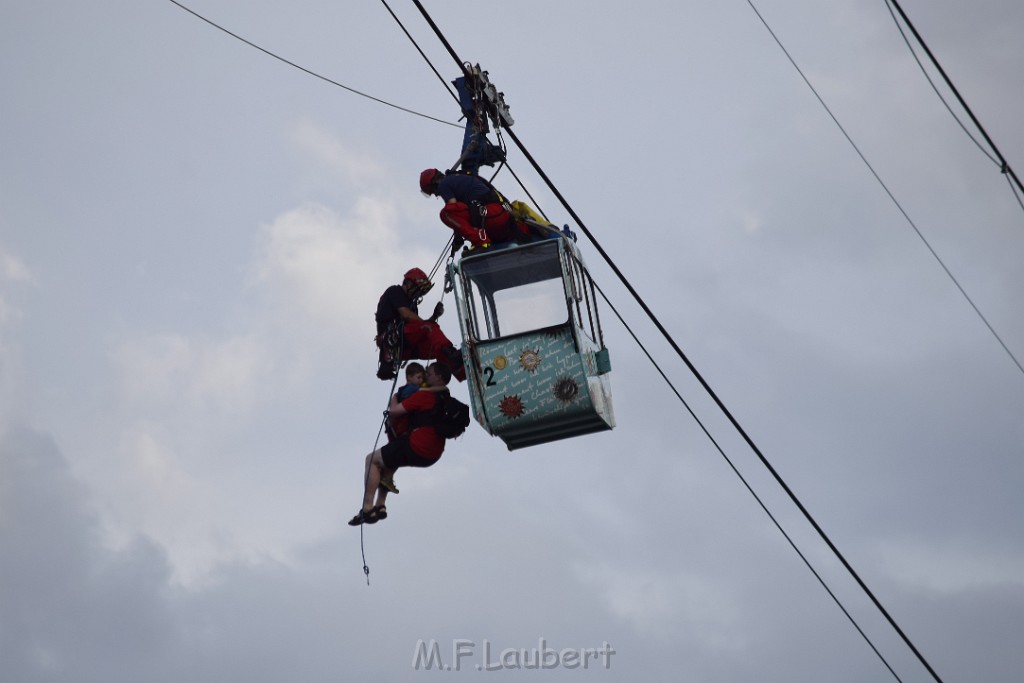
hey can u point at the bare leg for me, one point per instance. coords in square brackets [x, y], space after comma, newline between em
[374, 466]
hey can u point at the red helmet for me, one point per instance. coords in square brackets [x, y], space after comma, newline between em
[421, 283]
[415, 274]
[428, 178]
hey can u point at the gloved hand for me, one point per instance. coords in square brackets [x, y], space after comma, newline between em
[438, 311]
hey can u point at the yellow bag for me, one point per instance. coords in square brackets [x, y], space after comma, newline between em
[522, 211]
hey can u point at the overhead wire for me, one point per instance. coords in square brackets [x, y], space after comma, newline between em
[999, 159]
[418, 49]
[935, 88]
[445, 83]
[353, 90]
[1013, 188]
[885, 188]
[697, 375]
[746, 484]
[533, 201]
[1011, 178]
[309, 71]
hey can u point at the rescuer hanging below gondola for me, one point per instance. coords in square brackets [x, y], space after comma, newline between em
[403, 335]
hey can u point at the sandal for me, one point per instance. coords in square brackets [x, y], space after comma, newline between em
[364, 517]
[378, 513]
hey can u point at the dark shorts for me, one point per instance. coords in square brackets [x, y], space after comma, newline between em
[399, 453]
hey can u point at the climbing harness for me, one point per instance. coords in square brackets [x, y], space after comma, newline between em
[389, 343]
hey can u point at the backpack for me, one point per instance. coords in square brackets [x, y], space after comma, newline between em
[451, 416]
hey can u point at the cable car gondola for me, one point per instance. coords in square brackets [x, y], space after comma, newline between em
[536, 363]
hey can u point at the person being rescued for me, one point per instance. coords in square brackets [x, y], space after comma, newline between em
[420, 339]
[397, 425]
[473, 209]
[420, 446]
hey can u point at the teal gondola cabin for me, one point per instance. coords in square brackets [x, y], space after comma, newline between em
[536, 363]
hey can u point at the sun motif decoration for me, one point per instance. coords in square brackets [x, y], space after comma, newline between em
[566, 389]
[511, 406]
[530, 360]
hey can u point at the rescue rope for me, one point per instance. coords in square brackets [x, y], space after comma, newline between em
[441, 258]
[366, 474]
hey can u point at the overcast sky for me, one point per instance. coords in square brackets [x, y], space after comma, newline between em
[193, 237]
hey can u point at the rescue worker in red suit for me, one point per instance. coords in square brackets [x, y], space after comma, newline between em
[472, 208]
[422, 339]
